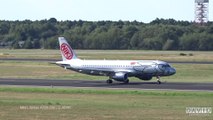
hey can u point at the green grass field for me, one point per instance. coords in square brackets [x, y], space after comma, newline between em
[30, 103]
[44, 70]
[112, 54]
[89, 104]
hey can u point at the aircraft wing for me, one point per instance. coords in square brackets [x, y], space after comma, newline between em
[107, 72]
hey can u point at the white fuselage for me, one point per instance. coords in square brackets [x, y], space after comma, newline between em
[118, 70]
[109, 67]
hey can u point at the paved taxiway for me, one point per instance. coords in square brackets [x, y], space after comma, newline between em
[103, 84]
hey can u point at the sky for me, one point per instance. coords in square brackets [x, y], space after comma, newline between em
[96, 10]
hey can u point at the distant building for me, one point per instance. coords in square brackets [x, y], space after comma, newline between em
[21, 44]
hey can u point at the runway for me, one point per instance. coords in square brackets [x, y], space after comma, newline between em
[103, 84]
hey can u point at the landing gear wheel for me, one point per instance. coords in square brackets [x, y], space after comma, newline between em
[126, 81]
[109, 81]
[158, 80]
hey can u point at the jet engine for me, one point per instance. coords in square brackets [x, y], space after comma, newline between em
[120, 76]
[145, 77]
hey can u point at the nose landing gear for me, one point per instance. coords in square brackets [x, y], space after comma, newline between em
[158, 80]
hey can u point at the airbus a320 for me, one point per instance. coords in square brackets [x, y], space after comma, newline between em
[118, 70]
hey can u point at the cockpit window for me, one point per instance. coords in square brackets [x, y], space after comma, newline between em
[163, 66]
[167, 65]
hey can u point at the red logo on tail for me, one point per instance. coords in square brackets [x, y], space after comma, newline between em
[66, 50]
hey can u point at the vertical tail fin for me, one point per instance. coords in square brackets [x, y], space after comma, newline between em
[66, 51]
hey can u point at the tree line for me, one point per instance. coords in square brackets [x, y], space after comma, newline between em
[159, 34]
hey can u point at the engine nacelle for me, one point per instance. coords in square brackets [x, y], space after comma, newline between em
[145, 77]
[120, 76]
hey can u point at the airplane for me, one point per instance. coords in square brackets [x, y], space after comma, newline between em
[118, 70]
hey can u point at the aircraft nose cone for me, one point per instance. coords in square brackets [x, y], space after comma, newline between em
[172, 71]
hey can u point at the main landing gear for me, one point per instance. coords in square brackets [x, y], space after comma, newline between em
[126, 81]
[109, 81]
[158, 80]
